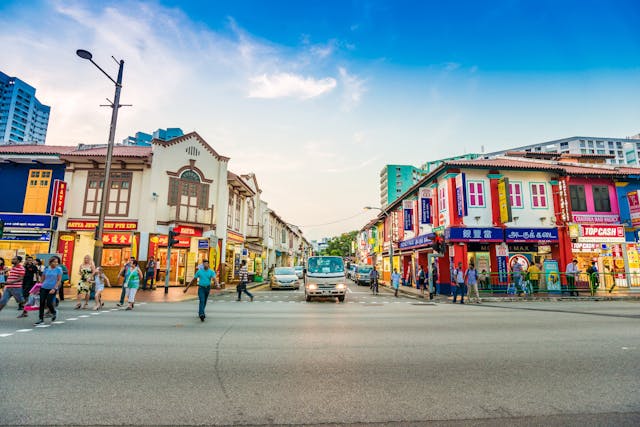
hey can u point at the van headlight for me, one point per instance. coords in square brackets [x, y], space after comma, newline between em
[312, 286]
[340, 286]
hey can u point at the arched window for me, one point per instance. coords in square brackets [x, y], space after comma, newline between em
[190, 175]
[189, 194]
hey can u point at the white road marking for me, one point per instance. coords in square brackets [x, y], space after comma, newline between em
[114, 309]
[42, 326]
[95, 314]
[72, 318]
[24, 330]
[5, 335]
[84, 315]
[58, 322]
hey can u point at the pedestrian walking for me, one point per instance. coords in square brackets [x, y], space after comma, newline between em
[87, 270]
[534, 277]
[124, 274]
[133, 283]
[244, 279]
[149, 275]
[421, 279]
[471, 278]
[459, 287]
[31, 276]
[51, 280]
[594, 279]
[13, 284]
[516, 276]
[65, 279]
[395, 281]
[375, 277]
[571, 273]
[204, 277]
[100, 280]
[434, 277]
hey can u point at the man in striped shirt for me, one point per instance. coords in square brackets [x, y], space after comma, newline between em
[244, 278]
[13, 285]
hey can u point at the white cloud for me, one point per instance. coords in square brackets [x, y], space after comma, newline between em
[451, 66]
[353, 89]
[283, 85]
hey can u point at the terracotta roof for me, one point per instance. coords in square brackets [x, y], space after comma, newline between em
[189, 136]
[569, 168]
[118, 151]
[35, 149]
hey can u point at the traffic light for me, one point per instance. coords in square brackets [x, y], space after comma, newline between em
[438, 245]
[172, 238]
[1, 228]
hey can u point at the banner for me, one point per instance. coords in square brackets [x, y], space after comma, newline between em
[153, 246]
[425, 205]
[502, 252]
[461, 194]
[66, 244]
[504, 203]
[407, 206]
[58, 197]
[551, 275]
[634, 208]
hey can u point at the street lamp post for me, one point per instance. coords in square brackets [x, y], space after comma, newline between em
[386, 214]
[115, 105]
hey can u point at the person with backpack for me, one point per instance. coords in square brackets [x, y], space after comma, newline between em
[458, 283]
[594, 279]
[471, 278]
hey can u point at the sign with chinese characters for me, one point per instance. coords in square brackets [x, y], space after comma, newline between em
[423, 240]
[82, 224]
[26, 221]
[188, 231]
[461, 194]
[183, 241]
[544, 235]
[407, 206]
[124, 239]
[59, 197]
[66, 244]
[634, 208]
[424, 196]
[504, 203]
[601, 233]
[596, 218]
[463, 234]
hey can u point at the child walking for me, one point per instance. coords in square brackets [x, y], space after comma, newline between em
[100, 279]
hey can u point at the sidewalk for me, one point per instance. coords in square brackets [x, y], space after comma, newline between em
[540, 296]
[175, 294]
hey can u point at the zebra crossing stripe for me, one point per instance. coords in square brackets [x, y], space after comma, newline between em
[5, 335]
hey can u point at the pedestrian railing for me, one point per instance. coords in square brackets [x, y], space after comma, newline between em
[576, 284]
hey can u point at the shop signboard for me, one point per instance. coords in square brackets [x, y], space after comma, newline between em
[58, 197]
[407, 206]
[618, 264]
[523, 235]
[183, 241]
[117, 239]
[503, 200]
[475, 234]
[203, 244]
[82, 224]
[602, 233]
[41, 237]
[596, 218]
[188, 231]
[153, 246]
[551, 275]
[66, 244]
[26, 221]
[461, 194]
[634, 208]
[425, 206]
[502, 255]
[422, 240]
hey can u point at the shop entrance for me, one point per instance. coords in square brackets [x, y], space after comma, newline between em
[178, 264]
[113, 259]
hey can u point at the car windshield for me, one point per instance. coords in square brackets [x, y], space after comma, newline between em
[285, 271]
[364, 269]
[298, 268]
[331, 264]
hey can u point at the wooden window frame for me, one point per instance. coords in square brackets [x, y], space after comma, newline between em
[582, 203]
[116, 177]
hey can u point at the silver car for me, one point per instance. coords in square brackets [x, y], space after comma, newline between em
[299, 271]
[285, 278]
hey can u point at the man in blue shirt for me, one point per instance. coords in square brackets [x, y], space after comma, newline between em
[395, 281]
[204, 276]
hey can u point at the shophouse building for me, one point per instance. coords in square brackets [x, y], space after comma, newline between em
[239, 193]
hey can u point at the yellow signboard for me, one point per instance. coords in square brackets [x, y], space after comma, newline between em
[503, 200]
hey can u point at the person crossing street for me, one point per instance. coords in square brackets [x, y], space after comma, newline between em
[204, 277]
[13, 284]
[244, 279]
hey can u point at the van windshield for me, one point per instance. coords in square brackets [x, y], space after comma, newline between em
[331, 264]
[365, 269]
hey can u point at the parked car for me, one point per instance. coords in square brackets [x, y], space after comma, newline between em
[284, 278]
[351, 272]
[299, 271]
[363, 275]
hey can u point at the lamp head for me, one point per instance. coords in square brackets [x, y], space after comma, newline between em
[84, 54]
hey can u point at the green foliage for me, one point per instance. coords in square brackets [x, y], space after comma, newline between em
[340, 245]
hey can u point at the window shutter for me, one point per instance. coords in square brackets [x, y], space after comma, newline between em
[173, 191]
[203, 199]
[480, 190]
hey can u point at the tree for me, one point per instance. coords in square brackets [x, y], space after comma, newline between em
[340, 245]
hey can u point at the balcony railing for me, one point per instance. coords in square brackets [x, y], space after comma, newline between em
[191, 214]
[255, 232]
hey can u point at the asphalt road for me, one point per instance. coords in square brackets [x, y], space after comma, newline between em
[372, 360]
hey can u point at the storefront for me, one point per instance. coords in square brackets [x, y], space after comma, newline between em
[414, 253]
[25, 235]
[603, 244]
[234, 254]
[254, 260]
[529, 246]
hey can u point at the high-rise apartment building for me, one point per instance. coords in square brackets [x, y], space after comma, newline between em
[395, 180]
[143, 138]
[23, 119]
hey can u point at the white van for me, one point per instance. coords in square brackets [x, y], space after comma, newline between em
[325, 278]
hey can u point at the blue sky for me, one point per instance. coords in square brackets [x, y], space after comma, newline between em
[316, 96]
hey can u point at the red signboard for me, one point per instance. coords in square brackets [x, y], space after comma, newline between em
[58, 198]
[183, 241]
[601, 233]
[83, 224]
[117, 239]
[188, 231]
[66, 244]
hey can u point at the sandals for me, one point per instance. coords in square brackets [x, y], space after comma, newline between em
[77, 307]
